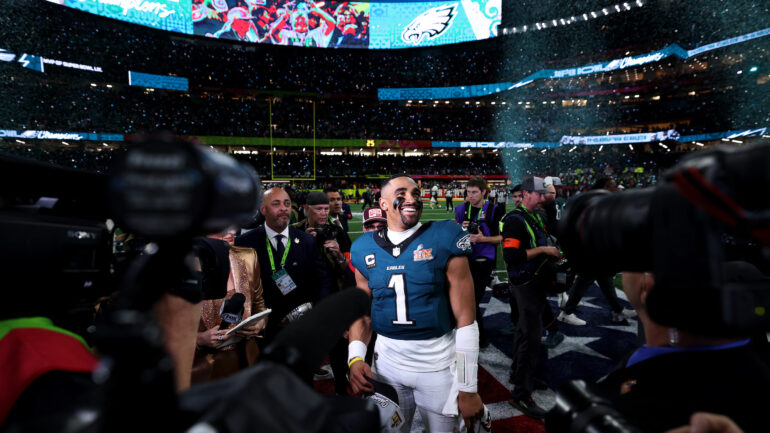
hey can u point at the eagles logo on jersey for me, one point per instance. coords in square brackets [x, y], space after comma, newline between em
[431, 24]
[410, 300]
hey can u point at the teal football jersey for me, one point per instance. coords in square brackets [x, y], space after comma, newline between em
[410, 299]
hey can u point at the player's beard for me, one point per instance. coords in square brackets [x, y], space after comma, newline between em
[409, 220]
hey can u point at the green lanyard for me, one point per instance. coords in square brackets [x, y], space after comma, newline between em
[535, 218]
[481, 212]
[270, 252]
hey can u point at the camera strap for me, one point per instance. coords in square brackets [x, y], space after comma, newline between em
[482, 212]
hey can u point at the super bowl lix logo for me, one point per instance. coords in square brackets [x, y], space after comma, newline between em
[429, 24]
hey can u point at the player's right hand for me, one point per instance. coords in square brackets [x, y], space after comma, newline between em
[359, 371]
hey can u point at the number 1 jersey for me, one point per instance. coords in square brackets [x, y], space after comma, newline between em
[410, 299]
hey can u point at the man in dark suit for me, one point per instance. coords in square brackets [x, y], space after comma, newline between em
[292, 270]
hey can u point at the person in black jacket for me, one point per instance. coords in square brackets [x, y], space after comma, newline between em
[678, 373]
[292, 271]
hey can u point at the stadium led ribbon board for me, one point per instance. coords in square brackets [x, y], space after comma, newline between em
[457, 92]
[325, 24]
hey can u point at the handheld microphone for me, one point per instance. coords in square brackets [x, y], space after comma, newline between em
[232, 310]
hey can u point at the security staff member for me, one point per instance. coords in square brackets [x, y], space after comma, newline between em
[524, 248]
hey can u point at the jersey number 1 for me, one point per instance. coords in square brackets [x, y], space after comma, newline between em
[398, 284]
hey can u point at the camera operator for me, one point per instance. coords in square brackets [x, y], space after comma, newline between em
[678, 372]
[482, 220]
[334, 245]
[214, 359]
[525, 250]
[292, 271]
[333, 242]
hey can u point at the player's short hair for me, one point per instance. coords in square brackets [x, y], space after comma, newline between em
[478, 182]
[395, 176]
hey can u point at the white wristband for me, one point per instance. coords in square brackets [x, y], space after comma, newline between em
[467, 349]
[356, 348]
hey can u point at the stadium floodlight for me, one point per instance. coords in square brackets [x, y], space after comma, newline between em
[697, 143]
[663, 145]
[467, 102]
[626, 97]
[409, 101]
[617, 8]
[636, 96]
[753, 69]
[593, 14]
[19, 141]
[446, 102]
[503, 102]
[243, 147]
[625, 5]
[303, 149]
[739, 72]
[467, 150]
[493, 102]
[573, 148]
[524, 28]
[478, 102]
[585, 17]
[737, 141]
[520, 150]
[631, 147]
[554, 23]
[93, 84]
[656, 98]
[725, 139]
[419, 102]
[604, 11]
[601, 147]
[65, 143]
[105, 144]
[543, 151]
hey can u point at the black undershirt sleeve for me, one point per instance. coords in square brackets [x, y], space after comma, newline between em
[516, 241]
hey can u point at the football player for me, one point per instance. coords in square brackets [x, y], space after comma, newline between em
[423, 311]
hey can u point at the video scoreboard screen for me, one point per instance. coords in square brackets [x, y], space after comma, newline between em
[325, 24]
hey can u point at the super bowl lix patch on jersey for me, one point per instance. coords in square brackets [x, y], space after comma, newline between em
[421, 253]
[464, 243]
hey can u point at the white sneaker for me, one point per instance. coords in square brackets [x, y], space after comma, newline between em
[571, 319]
[563, 298]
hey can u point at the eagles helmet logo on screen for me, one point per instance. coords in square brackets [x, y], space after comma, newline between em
[431, 24]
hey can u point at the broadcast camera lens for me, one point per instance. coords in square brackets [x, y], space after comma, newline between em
[604, 231]
[165, 188]
[578, 410]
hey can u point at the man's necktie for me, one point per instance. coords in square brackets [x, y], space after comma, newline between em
[279, 248]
